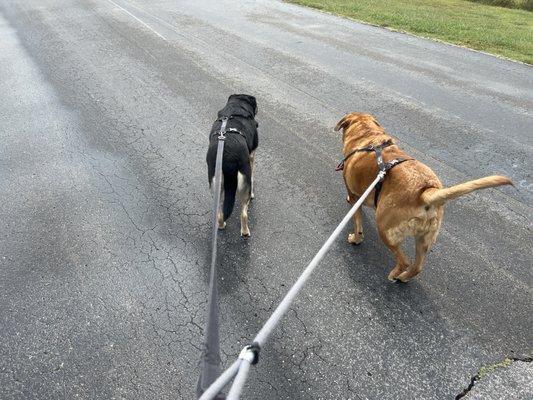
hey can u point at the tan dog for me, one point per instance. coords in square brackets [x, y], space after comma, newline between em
[411, 200]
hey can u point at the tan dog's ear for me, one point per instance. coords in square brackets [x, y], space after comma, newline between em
[343, 123]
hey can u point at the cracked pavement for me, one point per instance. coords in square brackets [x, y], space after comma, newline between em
[106, 107]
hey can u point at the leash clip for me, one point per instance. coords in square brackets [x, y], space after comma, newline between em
[222, 131]
[382, 174]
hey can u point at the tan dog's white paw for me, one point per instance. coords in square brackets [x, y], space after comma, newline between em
[405, 277]
[355, 238]
[393, 276]
[245, 233]
[397, 272]
[221, 225]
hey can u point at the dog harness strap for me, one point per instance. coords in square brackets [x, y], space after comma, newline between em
[236, 131]
[386, 167]
[376, 149]
[222, 131]
[383, 166]
[379, 158]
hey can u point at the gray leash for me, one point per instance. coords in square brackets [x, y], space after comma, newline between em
[249, 354]
[210, 359]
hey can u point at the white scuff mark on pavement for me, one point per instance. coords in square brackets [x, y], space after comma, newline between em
[140, 20]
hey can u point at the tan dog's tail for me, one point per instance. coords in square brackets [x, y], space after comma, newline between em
[435, 196]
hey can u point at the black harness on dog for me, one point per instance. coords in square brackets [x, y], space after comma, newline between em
[383, 166]
[222, 131]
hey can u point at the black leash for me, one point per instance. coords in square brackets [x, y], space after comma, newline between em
[383, 166]
[210, 358]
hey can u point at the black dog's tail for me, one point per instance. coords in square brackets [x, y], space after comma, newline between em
[236, 180]
[230, 189]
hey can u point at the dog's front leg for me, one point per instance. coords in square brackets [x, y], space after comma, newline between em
[357, 236]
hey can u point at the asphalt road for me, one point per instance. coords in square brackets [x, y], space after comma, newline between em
[104, 115]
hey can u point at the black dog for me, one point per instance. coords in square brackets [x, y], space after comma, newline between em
[238, 158]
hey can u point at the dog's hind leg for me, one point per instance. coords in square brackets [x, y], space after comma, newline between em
[393, 239]
[422, 245]
[402, 262]
[244, 194]
[220, 215]
[252, 168]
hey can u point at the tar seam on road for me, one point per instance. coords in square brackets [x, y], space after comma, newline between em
[141, 21]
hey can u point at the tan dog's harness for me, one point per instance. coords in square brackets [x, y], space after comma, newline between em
[383, 166]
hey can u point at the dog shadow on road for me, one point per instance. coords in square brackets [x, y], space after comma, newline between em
[233, 258]
[397, 304]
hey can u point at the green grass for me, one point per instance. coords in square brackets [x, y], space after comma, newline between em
[497, 30]
[524, 4]
[489, 369]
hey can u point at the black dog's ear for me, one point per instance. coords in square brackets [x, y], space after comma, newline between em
[253, 102]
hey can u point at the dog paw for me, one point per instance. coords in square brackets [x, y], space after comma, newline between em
[245, 233]
[221, 226]
[252, 195]
[396, 272]
[405, 277]
[393, 276]
[355, 238]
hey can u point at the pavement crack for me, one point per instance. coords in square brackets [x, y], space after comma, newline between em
[489, 369]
